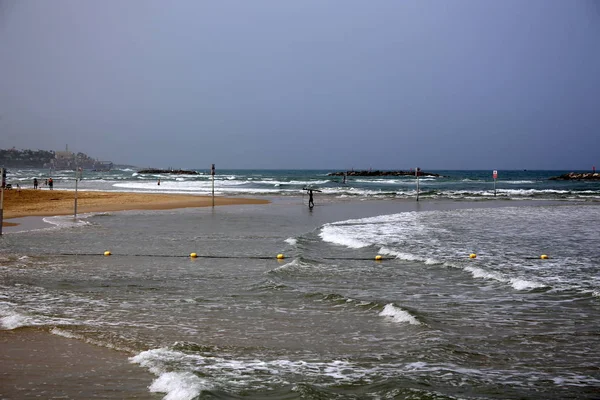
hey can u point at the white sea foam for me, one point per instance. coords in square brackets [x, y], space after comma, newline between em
[65, 334]
[482, 273]
[291, 241]
[398, 314]
[288, 265]
[516, 283]
[176, 371]
[518, 182]
[333, 234]
[380, 230]
[523, 284]
[14, 321]
[67, 221]
[178, 385]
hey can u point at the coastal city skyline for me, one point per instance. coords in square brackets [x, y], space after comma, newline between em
[392, 85]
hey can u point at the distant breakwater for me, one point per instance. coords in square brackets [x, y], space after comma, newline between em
[577, 176]
[381, 173]
[167, 171]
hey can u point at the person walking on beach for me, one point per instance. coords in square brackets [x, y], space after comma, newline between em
[50, 183]
[35, 183]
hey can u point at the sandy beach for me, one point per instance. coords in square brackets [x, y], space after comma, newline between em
[30, 202]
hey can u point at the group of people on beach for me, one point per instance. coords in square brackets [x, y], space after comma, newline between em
[48, 182]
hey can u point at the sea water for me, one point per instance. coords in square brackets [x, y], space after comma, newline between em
[328, 320]
[456, 185]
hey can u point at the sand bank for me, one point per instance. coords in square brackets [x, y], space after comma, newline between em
[30, 202]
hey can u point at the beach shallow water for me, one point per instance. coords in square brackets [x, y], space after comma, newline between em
[327, 321]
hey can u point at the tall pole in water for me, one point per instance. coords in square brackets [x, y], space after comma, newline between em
[212, 172]
[417, 174]
[76, 181]
[1, 199]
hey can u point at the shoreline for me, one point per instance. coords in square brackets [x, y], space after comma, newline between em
[47, 203]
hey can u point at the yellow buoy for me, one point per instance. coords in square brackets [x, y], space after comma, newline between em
[378, 257]
[280, 256]
[107, 253]
[472, 255]
[193, 255]
[544, 257]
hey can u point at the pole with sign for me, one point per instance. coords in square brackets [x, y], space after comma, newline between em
[212, 172]
[417, 175]
[495, 175]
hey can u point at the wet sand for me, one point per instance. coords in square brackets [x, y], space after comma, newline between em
[38, 364]
[30, 202]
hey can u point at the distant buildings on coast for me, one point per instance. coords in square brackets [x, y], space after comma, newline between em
[69, 160]
[57, 160]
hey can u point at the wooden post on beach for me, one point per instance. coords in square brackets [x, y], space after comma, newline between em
[1, 199]
[212, 173]
[417, 175]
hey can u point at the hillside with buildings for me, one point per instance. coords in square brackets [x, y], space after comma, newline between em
[13, 158]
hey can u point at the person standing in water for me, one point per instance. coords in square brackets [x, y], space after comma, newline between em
[311, 201]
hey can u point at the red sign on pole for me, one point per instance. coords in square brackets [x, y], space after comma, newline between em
[495, 174]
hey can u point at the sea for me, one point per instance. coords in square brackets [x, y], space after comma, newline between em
[465, 288]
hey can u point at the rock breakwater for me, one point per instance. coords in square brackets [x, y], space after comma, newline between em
[381, 173]
[578, 176]
[167, 171]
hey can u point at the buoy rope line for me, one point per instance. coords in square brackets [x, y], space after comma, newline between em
[278, 256]
[195, 255]
[165, 255]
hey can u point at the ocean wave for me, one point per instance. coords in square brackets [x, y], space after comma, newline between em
[101, 343]
[397, 314]
[179, 385]
[526, 182]
[185, 375]
[516, 283]
[10, 320]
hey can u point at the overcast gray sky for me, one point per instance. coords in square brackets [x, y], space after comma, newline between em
[448, 84]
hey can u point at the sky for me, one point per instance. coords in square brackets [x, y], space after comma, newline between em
[311, 84]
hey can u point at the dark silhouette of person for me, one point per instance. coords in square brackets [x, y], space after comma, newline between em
[35, 183]
[50, 183]
[311, 202]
